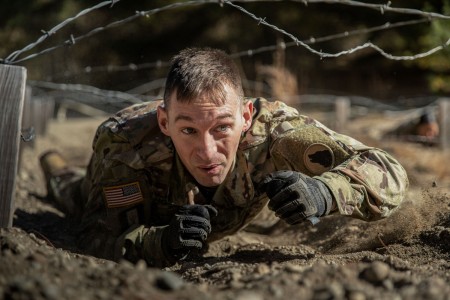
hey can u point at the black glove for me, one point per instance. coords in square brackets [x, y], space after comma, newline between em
[295, 197]
[187, 230]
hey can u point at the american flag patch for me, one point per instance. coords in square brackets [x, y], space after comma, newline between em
[123, 195]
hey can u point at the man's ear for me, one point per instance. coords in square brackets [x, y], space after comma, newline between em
[247, 114]
[163, 120]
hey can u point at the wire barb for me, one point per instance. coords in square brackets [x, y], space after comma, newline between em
[71, 41]
[47, 33]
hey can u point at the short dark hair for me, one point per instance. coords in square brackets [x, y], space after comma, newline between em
[202, 72]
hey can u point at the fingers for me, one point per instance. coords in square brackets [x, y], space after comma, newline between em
[211, 210]
[191, 244]
[274, 182]
[195, 222]
[193, 234]
[193, 237]
[191, 227]
[204, 211]
[293, 203]
[296, 211]
[286, 195]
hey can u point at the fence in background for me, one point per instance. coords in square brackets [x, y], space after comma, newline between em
[61, 101]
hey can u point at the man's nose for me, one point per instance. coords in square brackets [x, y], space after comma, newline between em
[206, 147]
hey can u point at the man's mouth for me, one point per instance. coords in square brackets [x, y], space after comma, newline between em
[211, 169]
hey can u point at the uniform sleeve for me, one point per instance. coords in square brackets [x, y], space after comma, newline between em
[366, 182]
[369, 186]
[115, 232]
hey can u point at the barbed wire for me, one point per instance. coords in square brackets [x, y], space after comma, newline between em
[249, 52]
[341, 53]
[114, 96]
[313, 40]
[382, 8]
[12, 58]
[137, 95]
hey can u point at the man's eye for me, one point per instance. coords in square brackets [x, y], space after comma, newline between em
[223, 128]
[188, 130]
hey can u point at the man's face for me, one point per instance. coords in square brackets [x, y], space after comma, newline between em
[206, 136]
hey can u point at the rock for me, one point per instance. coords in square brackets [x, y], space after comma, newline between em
[291, 268]
[262, 269]
[276, 291]
[376, 272]
[249, 296]
[141, 265]
[356, 296]
[332, 291]
[169, 281]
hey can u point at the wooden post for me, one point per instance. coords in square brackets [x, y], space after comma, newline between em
[444, 123]
[12, 94]
[28, 115]
[342, 106]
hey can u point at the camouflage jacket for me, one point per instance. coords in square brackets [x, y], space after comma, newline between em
[135, 180]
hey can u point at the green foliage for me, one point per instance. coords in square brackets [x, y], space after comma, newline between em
[437, 65]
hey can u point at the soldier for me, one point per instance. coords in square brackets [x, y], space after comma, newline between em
[424, 130]
[168, 177]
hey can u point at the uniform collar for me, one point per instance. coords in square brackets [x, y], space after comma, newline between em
[236, 190]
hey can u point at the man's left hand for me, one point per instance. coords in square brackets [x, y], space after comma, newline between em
[295, 197]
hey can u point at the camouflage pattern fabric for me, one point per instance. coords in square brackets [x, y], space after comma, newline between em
[135, 180]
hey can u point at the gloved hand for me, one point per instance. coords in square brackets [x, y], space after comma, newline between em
[187, 230]
[295, 197]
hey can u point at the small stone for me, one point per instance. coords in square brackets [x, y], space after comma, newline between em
[376, 272]
[52, 292]
[169, 281]
[388, 284]
[332, 291]
[276, 291]
[262, 269]
[356, 296]
[141, 265]
[207, 266]
[249, 296]
[291, 268]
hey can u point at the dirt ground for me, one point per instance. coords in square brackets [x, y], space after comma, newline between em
[406, 256]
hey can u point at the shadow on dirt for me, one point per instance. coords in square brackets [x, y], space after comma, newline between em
[52, 227]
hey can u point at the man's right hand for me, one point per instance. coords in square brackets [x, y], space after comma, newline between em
[188, 230]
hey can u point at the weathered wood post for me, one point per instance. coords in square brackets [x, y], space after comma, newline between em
[12, 94]
[444, 123]
[342, 107]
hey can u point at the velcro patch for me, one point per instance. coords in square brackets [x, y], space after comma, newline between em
[318, 158]
[123, 195]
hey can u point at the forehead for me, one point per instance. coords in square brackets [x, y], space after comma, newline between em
[202, 111]
[205, 106]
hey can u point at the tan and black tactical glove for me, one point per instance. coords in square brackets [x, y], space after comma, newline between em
[295, 197]
[188, 230]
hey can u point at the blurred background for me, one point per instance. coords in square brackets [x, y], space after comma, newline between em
[132, 57]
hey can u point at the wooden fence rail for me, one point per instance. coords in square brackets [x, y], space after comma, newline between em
[12, 94]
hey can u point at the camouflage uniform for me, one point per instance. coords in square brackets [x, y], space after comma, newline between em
[135, 178]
